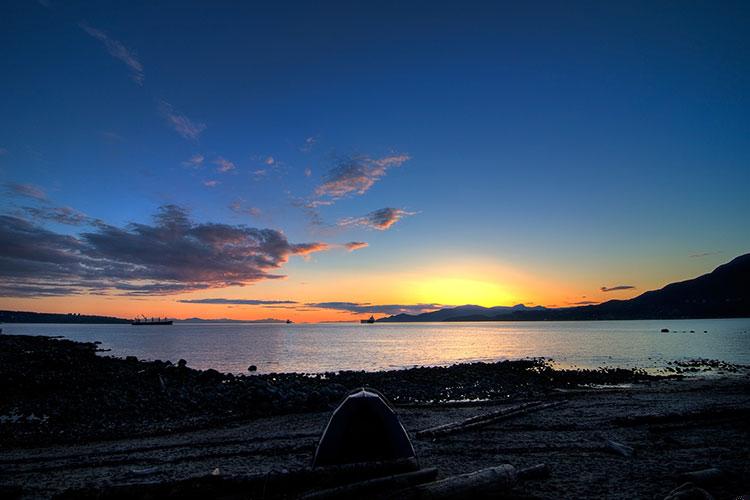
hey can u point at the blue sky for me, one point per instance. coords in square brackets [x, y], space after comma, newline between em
[587, 143]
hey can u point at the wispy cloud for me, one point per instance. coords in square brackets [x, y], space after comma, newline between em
[183, 125]
[27, 190]
[616, 288]
[309, 143]
[195, 161]
[704, 254]
[379, 219]
[308, 248]
[308, 172]
[240, 302]
[110, 137]
[118, 51]
[211, 183]
[355, 175]
[355, 245]
[368, 308]
[61, 215]
[269, 160]
[171, 255]
[223, 165]
[582, 303]
[238, 207]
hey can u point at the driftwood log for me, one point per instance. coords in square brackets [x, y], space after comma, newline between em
[483, 483]
[374, 487]
[275, 484]
[485, 419]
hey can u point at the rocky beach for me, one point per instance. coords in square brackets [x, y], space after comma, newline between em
[74, 419]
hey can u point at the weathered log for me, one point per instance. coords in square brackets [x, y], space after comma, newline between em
[482, 483]
[619, 448]
[539, 471]
[374, 487]
[267, 485]
[485, 419]
[688, 491]
[703, 477]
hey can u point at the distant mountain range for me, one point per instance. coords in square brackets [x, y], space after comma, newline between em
[723, 293]
[226, 320]
[467, 311]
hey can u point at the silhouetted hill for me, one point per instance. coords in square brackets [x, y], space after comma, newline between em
[227, 320]
[34, 317]
[723, 293]
[470, 311]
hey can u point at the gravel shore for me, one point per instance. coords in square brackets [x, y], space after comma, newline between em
[70, 418]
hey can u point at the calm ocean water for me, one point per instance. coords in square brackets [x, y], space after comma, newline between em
[310, 348]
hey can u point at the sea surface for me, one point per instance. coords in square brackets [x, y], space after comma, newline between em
[315, 348]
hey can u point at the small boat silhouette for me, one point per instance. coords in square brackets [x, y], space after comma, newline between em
[289, 322]
[370, 320]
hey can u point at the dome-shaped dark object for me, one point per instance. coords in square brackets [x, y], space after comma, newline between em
[363, 428]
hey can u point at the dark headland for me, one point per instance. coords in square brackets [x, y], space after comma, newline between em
[70, 318]
[723, 293]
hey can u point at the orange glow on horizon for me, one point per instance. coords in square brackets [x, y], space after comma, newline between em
[474, 281]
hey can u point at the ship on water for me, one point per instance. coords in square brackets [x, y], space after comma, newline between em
[367, 321]
[143, 320]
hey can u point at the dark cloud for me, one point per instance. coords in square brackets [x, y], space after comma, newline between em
[355, 245]
[582, 303]
[379, 219]
[356, 174]
[246, 302]
[172, 255]
[61, 215]
[27, 190]
[367, 308]
[616, 288]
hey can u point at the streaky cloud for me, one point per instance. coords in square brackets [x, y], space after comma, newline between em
[379, 219]
[616, 288]
[27, 190]
[703, 254]
[61, 215]
[246, 302]
[355, 245]
[117, 50]
[181, 124]
[368, 308]
[355, 175]
[308, 248]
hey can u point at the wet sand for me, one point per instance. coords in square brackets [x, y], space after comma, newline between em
[674, 425]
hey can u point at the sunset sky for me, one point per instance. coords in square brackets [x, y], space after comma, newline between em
[328, 160]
